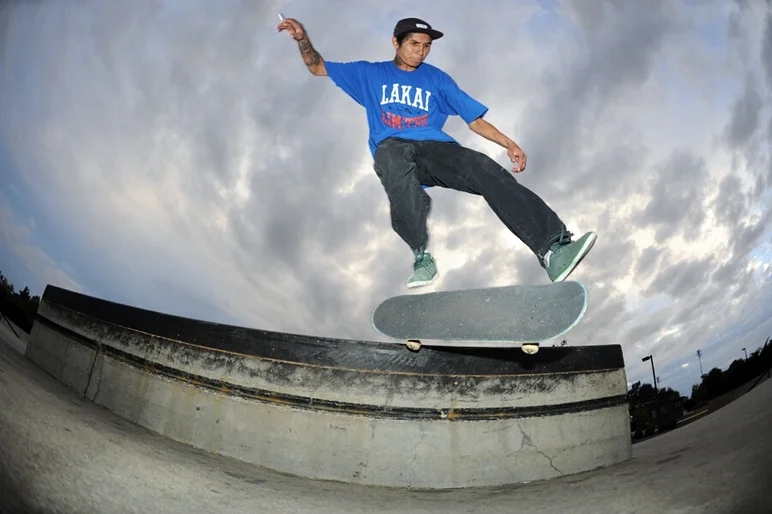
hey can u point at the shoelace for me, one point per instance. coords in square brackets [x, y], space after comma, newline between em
[421, 261]
[565, 237]
[563, 240]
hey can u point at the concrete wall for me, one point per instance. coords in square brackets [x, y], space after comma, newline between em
[374, 427]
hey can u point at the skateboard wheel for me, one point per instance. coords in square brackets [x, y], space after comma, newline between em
[414, 345]
[530, 349]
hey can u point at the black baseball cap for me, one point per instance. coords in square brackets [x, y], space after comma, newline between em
[416, 25]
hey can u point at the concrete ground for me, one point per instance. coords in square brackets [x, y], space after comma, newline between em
[59, 453]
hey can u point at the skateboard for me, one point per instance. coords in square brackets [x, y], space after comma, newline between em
[508, 316]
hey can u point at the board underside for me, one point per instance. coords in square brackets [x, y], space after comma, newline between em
[497, 316]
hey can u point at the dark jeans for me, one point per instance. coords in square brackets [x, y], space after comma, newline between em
[404, 165]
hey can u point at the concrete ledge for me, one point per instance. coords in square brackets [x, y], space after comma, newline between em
[351, 411]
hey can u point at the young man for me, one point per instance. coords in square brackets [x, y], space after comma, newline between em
[407, 102]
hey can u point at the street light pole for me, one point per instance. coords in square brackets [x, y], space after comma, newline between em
[653, 374]
[656, 394]
[746, 354]
[699, 356]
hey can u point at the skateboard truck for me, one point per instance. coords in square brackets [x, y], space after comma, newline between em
[414, 345]
[530, 348]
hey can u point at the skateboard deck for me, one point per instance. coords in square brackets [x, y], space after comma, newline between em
[509, 316]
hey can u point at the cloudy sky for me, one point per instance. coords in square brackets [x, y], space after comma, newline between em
[176, 155]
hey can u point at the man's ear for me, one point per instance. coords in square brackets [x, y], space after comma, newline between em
[394, 43]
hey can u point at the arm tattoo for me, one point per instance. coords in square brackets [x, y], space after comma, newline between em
[310, 56]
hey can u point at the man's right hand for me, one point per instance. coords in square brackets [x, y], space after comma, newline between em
[311, 57]
[292, 26]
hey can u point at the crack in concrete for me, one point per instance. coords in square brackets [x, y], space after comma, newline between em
[527, 441]
[415, 457]
[362, 468]
[90, 375]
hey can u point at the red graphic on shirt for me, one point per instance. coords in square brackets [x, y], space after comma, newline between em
[397, 121]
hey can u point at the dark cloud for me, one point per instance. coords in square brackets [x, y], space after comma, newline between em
[677, 191]
[610, 255]
[746, 236]
[683, 278]
[606, 315]
[724, 275]
[767, 174]
[745, 115]
[766, 48]
[731, 204]
[651, 326]
[699, 309]
[762, 182]
[769, 129]
[743, 286]
[647, 261]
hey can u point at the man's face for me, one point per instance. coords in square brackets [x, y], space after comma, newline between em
[414, 48]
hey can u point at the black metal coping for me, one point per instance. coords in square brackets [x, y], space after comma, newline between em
[343, 353]
[316, 404]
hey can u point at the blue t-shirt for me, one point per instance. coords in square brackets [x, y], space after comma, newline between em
[407, 104]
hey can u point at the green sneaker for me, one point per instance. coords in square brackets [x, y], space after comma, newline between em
[424, 270]
[565, 255]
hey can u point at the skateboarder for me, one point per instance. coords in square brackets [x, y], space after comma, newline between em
[407, 102]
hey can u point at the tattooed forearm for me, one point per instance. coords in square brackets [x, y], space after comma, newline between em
[310, 56]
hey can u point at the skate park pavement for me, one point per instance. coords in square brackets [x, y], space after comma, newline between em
[60, 453]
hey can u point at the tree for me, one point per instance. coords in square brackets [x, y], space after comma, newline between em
[6, 289]
[21, 307]
[640, 394]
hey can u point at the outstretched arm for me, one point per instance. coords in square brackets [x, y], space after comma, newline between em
[310, 56]
[491, 133]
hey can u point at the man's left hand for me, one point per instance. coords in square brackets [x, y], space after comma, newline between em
[517, 156]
